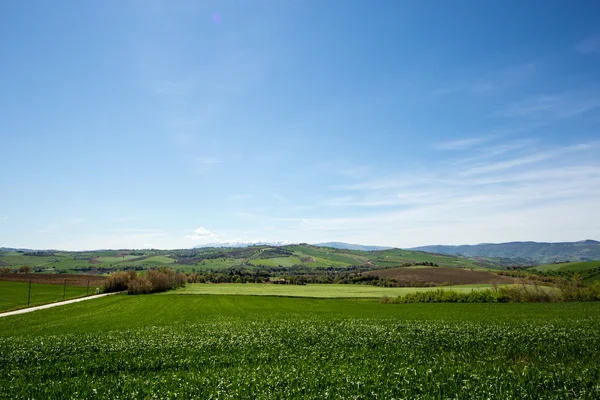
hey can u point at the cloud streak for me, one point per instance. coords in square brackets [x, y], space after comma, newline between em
[466, 143]
[536, 194]
[589, 45]
[552, 106]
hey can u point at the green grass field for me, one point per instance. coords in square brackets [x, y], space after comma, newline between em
[258, 347]
[274, 262]
[215, 264]
[13, 295]
[114, 259]
[313, 290]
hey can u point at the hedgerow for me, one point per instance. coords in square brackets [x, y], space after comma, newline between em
[152, 281]
[504, 294]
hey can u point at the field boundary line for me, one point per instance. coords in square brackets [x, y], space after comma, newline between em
[50, 305]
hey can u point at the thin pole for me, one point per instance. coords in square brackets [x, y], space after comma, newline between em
[29, 294]
[64, 289]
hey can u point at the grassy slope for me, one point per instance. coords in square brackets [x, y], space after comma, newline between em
[154, 260]
[14, 295]
[580, 267]
[314, 290]
[571, 266]
[339, 256]
[18, 259]
[114, 259]
[394, 257]
[215, 264]
[274, 262]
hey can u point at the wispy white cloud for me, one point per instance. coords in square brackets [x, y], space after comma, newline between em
[529, 159]
[465, 143]
[491, 152]
[474, 87]
[209, 160]
[202, 236]
[554, 106]
[241, 196]
[589, 45]
[136, 230]
[539, 193]
[67, 223]
[489, 82]
[280, 198]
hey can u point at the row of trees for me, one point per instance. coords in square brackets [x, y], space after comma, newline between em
[299, 277]
[22, 270]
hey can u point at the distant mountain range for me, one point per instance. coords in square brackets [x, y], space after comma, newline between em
[349, 246]
[524, 252]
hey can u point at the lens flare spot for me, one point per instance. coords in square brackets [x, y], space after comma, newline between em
[216, 19]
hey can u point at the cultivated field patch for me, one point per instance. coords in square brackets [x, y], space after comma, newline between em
[457, 276]
[310, 290]
[55, 279]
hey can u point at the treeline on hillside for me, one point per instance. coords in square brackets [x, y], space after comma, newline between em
[557, 277]
[194, 256]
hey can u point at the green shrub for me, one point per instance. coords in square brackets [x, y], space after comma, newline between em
[513, 294]
[575, 293]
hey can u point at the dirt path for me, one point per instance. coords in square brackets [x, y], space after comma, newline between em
[60, 303]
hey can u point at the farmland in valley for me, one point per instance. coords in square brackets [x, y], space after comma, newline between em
[171, 346]
[204, 259]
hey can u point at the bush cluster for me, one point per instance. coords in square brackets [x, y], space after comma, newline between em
[153, 281]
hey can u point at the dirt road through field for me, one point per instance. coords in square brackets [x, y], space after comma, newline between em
[60, 303]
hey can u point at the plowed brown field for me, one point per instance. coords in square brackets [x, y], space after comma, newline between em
[455, 276]
[55, 279]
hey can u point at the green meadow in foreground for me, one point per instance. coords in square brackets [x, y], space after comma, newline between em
[311, 290]
[172, 346]
[13, 295]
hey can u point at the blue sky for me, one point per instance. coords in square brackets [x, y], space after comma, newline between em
[133, 124]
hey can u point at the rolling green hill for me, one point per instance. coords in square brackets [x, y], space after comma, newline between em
[524, 253]
[298, 256]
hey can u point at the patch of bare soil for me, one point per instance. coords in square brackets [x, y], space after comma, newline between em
[456, 276]
[55, 279]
